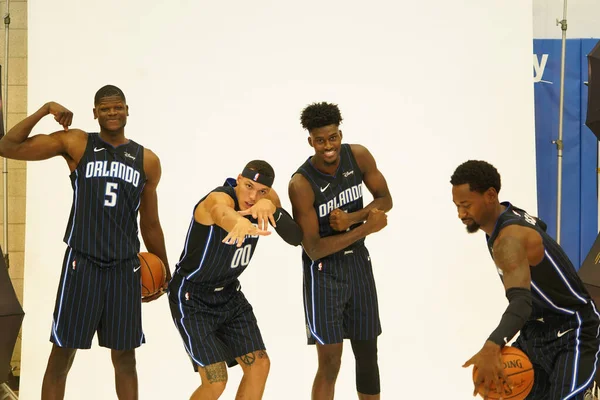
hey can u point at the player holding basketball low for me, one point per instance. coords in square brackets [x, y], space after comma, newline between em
[548, 303]
[340, 297]
[99, 289]
[215, 320]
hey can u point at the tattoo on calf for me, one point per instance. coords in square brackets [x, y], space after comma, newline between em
[216, 373]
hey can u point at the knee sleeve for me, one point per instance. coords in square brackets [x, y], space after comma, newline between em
[367, 368]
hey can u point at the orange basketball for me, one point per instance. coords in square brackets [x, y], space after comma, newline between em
[519, 372]
[154, 273]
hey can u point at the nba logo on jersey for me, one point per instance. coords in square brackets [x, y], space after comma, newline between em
[320, 266]
[256, 177]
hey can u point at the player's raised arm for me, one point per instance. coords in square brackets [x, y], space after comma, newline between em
[218, 208]
[17, 144]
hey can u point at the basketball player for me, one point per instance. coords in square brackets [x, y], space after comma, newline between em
[99, 289]
[215, 320]
[548, 303]
[339, 288]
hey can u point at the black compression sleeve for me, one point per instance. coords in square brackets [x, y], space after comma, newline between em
[287, 228]
[516, 314]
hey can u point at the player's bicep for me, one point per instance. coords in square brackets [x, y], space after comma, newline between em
[206, 212]
[372, 176]
[274, 197]
[35, 148]
[510, 255]
[302, 199]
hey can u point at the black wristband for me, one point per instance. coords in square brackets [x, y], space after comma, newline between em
[287, 228]
[516, 314]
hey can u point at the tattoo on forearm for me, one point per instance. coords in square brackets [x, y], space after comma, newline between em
[248, 359]
[509, 252]
[216, 373]
[262, 354]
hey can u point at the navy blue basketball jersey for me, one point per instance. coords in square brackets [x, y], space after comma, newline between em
[205, 259]
[555, 285]
[107, 186]
[341, 190]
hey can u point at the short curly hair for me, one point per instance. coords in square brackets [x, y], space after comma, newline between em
[480, 175]
[317, 115]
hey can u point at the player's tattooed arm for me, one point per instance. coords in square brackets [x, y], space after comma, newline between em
[510, 255]
[216, 372]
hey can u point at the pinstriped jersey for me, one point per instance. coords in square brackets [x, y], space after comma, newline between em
[341, 190]
[205, 259]
[555, 285]
[107, 186]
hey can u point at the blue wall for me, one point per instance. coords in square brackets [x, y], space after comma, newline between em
[579, 188]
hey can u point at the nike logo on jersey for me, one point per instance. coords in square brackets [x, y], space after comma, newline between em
[561, 334]
[98, 149]
[136, 269]
[325, 188]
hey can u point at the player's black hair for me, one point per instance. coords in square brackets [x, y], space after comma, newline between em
[480, 175]
[262, 167]
[107, 91]
[317, 115]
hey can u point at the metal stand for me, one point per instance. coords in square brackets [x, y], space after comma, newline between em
[559, 141]
[5, 122]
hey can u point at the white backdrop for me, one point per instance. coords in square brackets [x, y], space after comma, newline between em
[211, 85]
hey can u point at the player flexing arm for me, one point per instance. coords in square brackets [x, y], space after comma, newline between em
[302, 198]
[150, 227]
[17, 144]
[515, 249]
[377, 185]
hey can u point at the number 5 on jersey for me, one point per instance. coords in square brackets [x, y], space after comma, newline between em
[111, 194]
[241, 256]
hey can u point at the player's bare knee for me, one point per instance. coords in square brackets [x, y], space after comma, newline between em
[330, 363]
[214, 379]
[256, 364]
[123, 360]
[60, 360]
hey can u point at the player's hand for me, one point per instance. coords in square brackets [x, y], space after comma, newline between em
[376, 220]
[489, 369]
[61, 114]
[262, 211]
[155, 296]
[339, 220]
[243, 228]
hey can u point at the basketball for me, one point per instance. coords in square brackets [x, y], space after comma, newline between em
[154, 273]
[519, 372]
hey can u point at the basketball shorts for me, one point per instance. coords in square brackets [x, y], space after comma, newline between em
[91, 299]
[564, 353]
[215, 324]
[340, 298]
